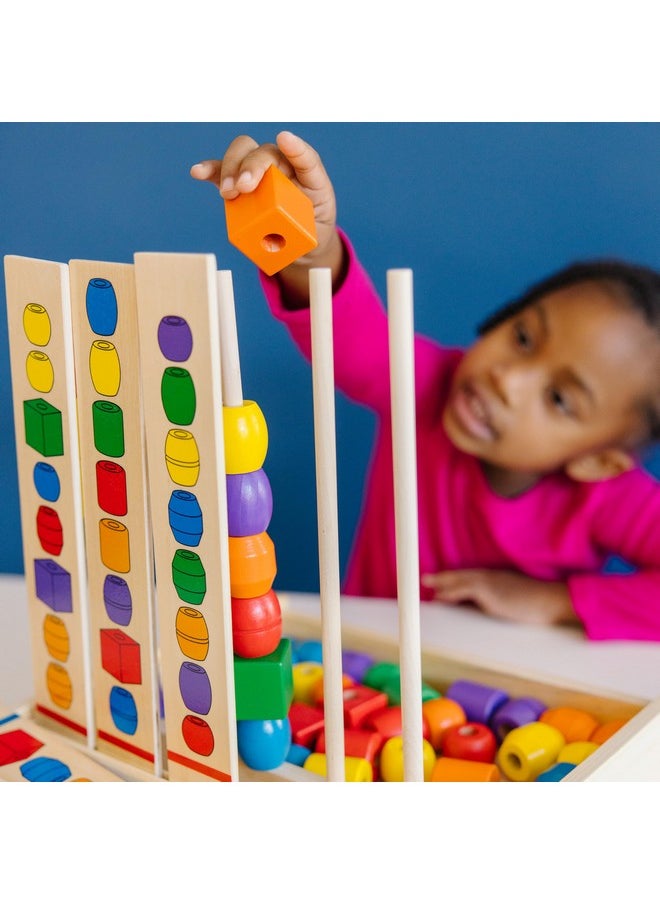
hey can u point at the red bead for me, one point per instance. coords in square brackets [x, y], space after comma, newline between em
[388, 722]
[306, 722]
[472, 741]
[360, 702]
[358, 742]
[256, 625]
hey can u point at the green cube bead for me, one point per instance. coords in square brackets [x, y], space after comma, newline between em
[264, 686]
[43, 427]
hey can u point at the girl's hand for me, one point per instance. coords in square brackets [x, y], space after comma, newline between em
[241, 170]
[504, 594]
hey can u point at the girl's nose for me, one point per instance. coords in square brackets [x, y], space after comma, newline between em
[510, 379]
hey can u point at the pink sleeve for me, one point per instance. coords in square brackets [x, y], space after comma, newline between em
[360, 339]
[359, 328]
[624, 606]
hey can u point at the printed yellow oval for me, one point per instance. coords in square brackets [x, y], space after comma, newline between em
[104, 367]
[40, 373]
[36, 324]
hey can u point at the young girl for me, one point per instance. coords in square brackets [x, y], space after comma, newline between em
[527, 442]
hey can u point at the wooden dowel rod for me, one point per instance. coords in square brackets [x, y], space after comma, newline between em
[320, 290]
[232, 387]
[402, 386]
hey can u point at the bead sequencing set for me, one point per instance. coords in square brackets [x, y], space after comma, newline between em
[156, 632]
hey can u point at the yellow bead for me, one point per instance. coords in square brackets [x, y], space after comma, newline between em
[529, 750]
[246, 438]
[36, 324]
[39, 371]
[104, 367]
[59, 685]
[576, 751]
[305, 679]
[56, 638]
[182, 457]
[356, 769]
[391, 760]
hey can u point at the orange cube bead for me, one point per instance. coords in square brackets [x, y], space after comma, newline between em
[274, 224]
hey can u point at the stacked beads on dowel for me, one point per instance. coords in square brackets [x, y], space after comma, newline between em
[262, 658]
[472, 732]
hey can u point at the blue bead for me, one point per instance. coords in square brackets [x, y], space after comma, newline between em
[101, 306]
[310, 651]
[263, 743]
[297, 754]
[555, 773]
[45, 769]
[46, 481]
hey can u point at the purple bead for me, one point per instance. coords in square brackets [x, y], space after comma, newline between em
[195, 687]
[515, 713]
[479, 701]
[117, 600]
[249, 503]
[355, 664]
[175, 338]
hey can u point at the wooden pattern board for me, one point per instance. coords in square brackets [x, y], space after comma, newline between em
[31, 753]
[116, 510]
[182, 391]
[43, 392]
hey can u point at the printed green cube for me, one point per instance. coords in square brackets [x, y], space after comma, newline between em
[43, 427]
[264, 686]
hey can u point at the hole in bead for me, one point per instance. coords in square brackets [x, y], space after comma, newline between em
[514, 761]
[273, 242]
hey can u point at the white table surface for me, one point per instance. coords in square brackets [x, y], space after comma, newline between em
[558, 654]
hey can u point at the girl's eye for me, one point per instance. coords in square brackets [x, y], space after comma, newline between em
[522, 336]
[560, 401]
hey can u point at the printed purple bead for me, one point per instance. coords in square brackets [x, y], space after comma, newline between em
[355, 664]
[195, 687]
[175, 338]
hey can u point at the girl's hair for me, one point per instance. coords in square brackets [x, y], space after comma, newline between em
[637, 285]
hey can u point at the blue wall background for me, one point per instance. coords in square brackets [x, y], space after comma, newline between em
[477, 210]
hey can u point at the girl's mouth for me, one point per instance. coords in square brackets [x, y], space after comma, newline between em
[472, 411]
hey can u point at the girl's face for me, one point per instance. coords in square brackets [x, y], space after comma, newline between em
[568, 376]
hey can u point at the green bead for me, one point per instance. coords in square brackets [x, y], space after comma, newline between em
[392, 687]
[264, 686]
[108, 428]
[188, 576]
[380, 673]
[177, 393]
[43, 427]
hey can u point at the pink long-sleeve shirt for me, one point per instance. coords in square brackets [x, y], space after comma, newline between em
[558, 530]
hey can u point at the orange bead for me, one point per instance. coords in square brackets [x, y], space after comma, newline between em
[606, 730]
[317, 692]
[441, 714]
[252, 566]
[272, 225]
[448, 769]
[574, 724]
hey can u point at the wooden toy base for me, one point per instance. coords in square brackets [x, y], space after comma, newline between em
[558, 665]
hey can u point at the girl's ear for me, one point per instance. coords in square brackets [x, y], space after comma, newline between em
[600, 465]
